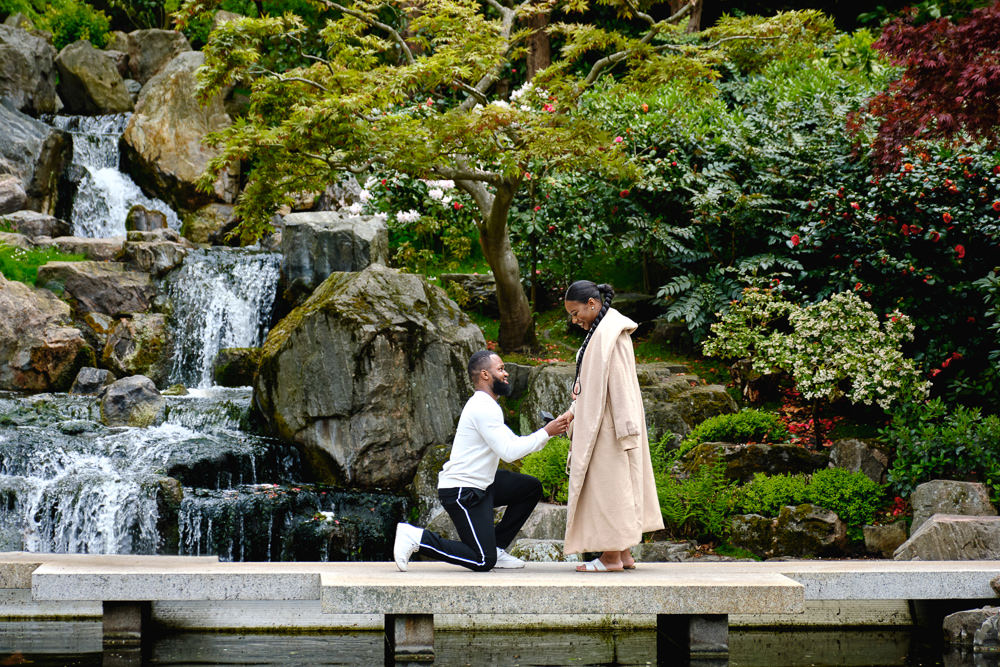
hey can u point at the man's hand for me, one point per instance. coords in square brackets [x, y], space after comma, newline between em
[559, 425]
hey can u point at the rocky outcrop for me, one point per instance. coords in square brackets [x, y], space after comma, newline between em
[35, 154]
[139, 345]
[884, 540]
[805, 530]
[316, 244]
[142, 219]
[155, 257]
[12, 194]
[674, 401]
[953, 537]
[149, 51]
[366, 374]
[89, 81]
[39, 351]
[132, 401]
[100, 287]
[98, 250]
[961, 627]
[479, 289]
[945, 496]
[743, 460]
[204, 224]
[33, 223]
[27, 72]
[91, 381]
[859, 456]
[236, 366]
[162, 146]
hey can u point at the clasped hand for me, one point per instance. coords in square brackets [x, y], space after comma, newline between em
[560, 424]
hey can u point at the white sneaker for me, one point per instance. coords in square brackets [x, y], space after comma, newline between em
[507, 562]
[407, 543]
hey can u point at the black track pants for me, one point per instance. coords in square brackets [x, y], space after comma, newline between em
[471, 510]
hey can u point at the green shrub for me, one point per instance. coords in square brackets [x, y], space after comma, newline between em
[739, 427]
[72, 20]
[698, 506]
[933, 441]
[549, 466]
[766, 495]
[22, 265]
[852, 495]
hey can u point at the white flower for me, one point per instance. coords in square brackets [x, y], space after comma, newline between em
[503, 104]
[407, 216]
[435, 193]
[444, 185]
[364, 195]
[355, 208]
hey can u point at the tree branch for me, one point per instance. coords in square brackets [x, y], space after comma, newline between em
[283, 79]
[396, 37]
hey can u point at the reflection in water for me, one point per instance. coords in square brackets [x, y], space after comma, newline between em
[79, 643]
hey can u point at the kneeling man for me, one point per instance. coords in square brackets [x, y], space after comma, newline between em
[470, 486]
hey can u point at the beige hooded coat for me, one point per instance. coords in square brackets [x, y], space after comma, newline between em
[612, 494]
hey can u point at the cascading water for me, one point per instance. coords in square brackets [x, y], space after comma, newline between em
[104, 195]
[221, 298]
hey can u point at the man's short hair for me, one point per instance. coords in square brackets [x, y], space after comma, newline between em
[477, 362]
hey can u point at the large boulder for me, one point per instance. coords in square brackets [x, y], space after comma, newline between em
[12, 194]
[27, 72]
[149, 51]
[142, 219]
[89, 82]
[953, 537]
[961, 626]
[206, 223]
[236, 366]
[34, 153]
[33, 223]
[100, 287]
[315, 244]
[804, 530]
[742, 461]
[674, 400]
[139, 345]
[162, 146]
[479, 290]
[859, 456]
[155, 257]
[132, 401]
[945, 496]
[91, 381]
[367, 373]
[39, 351]
[884, 540]
[98, 250]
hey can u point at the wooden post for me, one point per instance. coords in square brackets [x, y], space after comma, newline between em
[409, 638]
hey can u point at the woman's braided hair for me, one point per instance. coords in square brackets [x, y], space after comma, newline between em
[583, 291]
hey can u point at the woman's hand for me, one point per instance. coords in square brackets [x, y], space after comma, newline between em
[559, 425]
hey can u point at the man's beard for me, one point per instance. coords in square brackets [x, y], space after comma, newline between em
[501, 388]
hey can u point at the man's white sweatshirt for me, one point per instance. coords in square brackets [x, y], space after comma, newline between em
[481, 440]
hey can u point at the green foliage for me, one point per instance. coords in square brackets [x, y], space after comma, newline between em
[697, 506]
[22, 265]
[852, 495]
[748, 425]
[67, 20]
[767, 494]
[549, 467]
[934, 441]
[796, 35]
[835, 348]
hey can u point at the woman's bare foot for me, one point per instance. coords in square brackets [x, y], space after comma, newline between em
[625, 556]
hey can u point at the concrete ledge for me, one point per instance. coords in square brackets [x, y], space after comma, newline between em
[554, 588]
[16, 567]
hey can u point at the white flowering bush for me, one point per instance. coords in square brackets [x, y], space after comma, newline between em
[837, 348]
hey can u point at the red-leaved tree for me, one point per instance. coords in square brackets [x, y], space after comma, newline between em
[950, 87]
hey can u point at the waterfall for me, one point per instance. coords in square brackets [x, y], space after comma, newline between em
[104, 195]
[222, 298]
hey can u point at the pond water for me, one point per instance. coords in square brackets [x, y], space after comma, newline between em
[47, 644]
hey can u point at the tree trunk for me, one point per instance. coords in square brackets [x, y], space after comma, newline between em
[517, 328]
[694, 19]
[539, 49]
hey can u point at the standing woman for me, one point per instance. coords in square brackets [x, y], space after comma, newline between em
[612, 494]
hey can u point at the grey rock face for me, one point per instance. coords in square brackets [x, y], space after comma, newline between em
[98, 250]
[481, 289]
[156, 257]
[203, 225]
[314, 244]
[39, 351]
[142, 219]
[858, 456]
[132, 401]
[987, 637]
[540, 551]
[91, 381]
[961, 627]
[161, 146]
[27, 71]
[236, 366]
[367, 373]
[33, 223]
[942, 496]
[953, 537]
[805, 530]
[36, 154]
[149, 51]
[12, 194]
[664, 551]
[100, 287]
[742, 461]
[89, 81]
[884, 540]
[548, 521]
[139, 345]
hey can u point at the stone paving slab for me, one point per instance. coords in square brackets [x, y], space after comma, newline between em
[16, 566]
[555, 588]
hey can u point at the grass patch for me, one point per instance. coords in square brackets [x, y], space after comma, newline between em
[735, 552]
[22, 265]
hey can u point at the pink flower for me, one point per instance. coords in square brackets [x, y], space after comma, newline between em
[855, 205]
[960, 250]
[548, 107]
[795, 240]
[618, 140]
[457, 206]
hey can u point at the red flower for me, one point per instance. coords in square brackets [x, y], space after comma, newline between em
[457, 206]
[960, 250]
[935, 372]
[383, 181]
[857, 286]
[795, 240]
[623, 193]
[905, 229]
[645, 107]
[996, 206]
[935, 236]
[946, 216]
[537, 208]
[855, 205]
[907, 167]
[552, 228]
